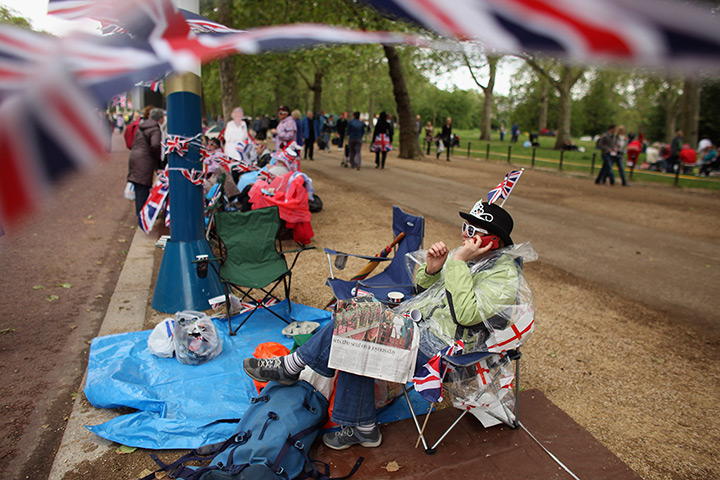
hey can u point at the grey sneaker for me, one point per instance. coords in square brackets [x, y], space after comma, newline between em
[267, 369]
[349, 436]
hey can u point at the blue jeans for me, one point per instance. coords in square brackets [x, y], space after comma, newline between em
[617, 160]
[354, 394]
[606, 170]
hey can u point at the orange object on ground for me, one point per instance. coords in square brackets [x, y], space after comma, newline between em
[269, 350]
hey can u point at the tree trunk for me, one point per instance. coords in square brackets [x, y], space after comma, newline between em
[487, 112]
[565, 109]
[544, 101]
[226, 67]
[670, 106]
[409, 147]
[690, 110]
[317, 88]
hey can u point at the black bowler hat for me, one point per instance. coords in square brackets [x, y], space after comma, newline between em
[492, 218]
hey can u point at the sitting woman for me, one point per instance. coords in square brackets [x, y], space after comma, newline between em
[469, 292]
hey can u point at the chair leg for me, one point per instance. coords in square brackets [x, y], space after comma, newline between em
[414, 416]
[228, 307]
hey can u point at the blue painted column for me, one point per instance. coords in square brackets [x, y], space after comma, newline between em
[177, 286]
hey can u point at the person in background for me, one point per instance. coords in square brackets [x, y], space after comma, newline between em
[236, 134]
[617, 159]
[355, 134]
[446, 137]
[341, 128]
[608, 149]
[382, 140]
[675, 147]
[286, 130]
[429, 136]
[145, 156]
[298, 125]
[309, 133]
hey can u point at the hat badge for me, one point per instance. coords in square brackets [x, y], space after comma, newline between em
[479, 212]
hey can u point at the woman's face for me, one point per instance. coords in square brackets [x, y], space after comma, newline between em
[237, 115]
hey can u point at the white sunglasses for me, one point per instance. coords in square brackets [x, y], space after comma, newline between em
[472, 230]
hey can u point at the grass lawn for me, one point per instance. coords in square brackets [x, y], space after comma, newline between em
[544, 156]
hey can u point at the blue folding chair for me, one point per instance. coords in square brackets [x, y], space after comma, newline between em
[409, 231]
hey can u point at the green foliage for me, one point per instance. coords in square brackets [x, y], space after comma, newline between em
[11, 17]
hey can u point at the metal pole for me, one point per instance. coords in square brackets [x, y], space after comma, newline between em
[469, 149]
[592, 165]
[562, 152]
[178, 286]
[487, 152]
[677, 174]
[509, 152]
[532, 162]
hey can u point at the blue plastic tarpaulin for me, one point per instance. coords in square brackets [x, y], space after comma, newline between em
[186, 406]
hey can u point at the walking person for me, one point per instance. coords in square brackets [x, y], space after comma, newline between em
[309, 133]
[355, 134]
[429, 136]
[145, 156]
[617, 159]
[341, 128]
[607, 146]
[446, 137]
[382, 140]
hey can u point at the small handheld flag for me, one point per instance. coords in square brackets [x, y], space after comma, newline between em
[503, 189]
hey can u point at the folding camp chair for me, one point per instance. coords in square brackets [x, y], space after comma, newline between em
[483, 384]
[251, 259]
[409, 231]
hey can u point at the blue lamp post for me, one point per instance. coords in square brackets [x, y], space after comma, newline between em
[178, 287]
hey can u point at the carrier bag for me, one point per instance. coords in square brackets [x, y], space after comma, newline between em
[272, 440]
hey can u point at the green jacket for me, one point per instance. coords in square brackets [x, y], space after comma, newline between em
[477, 291]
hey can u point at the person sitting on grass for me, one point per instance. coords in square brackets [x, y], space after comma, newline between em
[463, 295]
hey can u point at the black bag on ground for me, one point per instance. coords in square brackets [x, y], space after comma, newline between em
[315, 204]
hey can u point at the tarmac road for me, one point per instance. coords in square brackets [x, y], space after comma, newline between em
[79, 239]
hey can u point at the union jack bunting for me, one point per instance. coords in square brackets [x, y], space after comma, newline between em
[503, 189]
[155, 203]
[176, 144]
[196, 177]
[642, 32]
[428, 379]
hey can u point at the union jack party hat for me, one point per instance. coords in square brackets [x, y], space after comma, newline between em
[492, 218]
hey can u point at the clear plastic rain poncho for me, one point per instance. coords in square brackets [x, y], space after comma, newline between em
[507, 315]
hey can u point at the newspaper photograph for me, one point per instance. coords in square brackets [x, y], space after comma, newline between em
[371, 340]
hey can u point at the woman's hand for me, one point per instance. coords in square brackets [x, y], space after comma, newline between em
[436, 256]
[471, 249]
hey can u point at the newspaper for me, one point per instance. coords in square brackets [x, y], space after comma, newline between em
[371, 340]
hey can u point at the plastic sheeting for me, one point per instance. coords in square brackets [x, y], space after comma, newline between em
[185, 406]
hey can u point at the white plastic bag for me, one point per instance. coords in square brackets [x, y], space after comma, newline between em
[130, 191]
[196, 338]
[160, 342]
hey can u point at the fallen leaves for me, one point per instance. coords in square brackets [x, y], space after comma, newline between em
[5, 331]
[52, 298]
[392, 466]
[124, 449]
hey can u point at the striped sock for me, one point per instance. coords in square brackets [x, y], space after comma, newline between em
[365, 429]
[293, 364]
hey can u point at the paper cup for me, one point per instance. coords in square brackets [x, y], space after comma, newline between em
[395, 297]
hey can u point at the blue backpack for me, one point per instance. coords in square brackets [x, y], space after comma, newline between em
[271, 441]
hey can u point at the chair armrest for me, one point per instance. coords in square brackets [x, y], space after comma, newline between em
[298, 250]
[373, 258]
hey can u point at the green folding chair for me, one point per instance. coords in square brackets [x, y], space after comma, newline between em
[251, 259]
